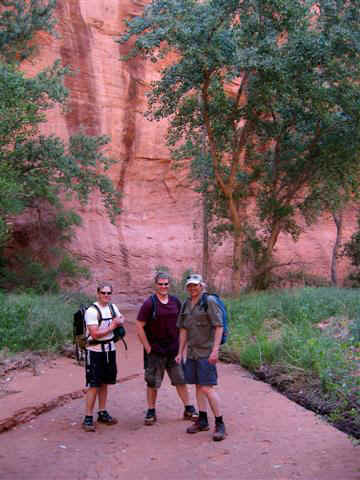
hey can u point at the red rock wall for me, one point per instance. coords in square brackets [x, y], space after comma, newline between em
[161, 220]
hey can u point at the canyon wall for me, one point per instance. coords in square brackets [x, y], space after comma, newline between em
[161, 223]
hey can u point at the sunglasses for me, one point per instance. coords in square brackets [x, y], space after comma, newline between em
[105, 293]
[163, 284]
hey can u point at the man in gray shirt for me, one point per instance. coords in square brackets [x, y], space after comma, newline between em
[201, 331]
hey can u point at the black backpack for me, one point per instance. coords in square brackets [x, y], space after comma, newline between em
[80, 338]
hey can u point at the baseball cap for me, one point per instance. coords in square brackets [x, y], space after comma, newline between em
[194, 278]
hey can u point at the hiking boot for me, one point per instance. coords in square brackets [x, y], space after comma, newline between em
[88, 424]
[104, 417]
[150, 418]
[198, 426]
[219, 432]
[190, 413]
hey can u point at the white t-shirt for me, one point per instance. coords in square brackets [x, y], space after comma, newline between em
[92, 318]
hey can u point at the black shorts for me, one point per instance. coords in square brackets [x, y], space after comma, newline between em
[100, 368]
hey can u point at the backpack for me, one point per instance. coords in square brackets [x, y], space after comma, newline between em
[221, 304]
[80, 339]
[204, 304]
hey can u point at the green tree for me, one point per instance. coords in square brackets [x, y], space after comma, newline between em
[275, 85]
[39, 171]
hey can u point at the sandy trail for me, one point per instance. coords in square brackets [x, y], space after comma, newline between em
[270, 438]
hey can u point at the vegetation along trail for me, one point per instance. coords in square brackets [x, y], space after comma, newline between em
[270, 437]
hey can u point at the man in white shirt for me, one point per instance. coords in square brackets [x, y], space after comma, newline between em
[100, 364]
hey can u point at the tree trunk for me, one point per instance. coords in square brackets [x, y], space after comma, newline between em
[205, 266]
[262, 277]
[338, 219]
[237, 273]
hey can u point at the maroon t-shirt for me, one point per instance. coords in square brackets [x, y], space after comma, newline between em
[162, 332]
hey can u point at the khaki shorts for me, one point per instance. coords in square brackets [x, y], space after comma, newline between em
[155, 370]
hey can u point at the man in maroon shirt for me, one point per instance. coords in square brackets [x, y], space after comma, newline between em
[159, 335]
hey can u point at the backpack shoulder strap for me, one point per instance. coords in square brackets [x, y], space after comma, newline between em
[112, 310]
[154, 305]
[100, 319]
[204, 301]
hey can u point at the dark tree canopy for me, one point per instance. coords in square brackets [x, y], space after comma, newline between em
[263, 96]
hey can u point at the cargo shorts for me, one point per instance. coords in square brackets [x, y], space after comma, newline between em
[155, 366]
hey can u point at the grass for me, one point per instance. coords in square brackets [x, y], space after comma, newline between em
[285, 326]
[36, 322]
[312, 335]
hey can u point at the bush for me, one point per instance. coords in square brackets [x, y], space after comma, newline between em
[34, 322]
[300, 278]
[27, 274]
[354, 331]
[311, 334]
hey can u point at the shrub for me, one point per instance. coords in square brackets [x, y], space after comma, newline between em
[34, 322]
[311, 334]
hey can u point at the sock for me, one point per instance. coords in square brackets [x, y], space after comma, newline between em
[151, 410]
[219, 419]
[189, 408]
[88, 417]
[203, 417]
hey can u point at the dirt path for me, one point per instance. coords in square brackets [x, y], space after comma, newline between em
[270, 438]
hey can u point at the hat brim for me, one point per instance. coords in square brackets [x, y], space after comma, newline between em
[192, 282]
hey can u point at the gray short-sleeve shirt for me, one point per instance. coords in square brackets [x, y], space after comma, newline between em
[200, 326]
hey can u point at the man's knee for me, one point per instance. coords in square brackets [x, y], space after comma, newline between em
[152, 384]
[151, 390]
[206, 389]
[176, 375]
[152, 378]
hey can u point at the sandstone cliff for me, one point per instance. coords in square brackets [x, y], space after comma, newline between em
[161, 222]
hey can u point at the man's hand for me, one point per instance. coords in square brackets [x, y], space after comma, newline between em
[214, 357]
[178, 358]
[140, 330]
[119, 320]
